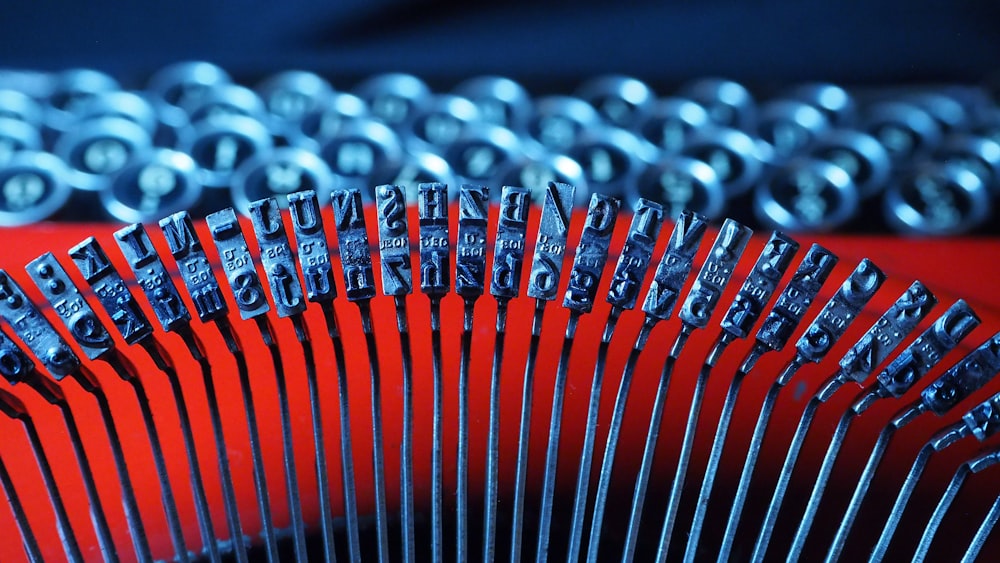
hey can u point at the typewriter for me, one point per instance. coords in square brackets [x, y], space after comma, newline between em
[311, 282]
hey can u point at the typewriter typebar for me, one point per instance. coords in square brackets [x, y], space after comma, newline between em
[383, 372]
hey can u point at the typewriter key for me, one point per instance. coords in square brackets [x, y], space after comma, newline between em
[535, 173]
[361, 150]
[246, 288]
[988, 125]
[221, 144]
[70, 89]
[944, 109]
[153, 185]
[483, 154]
[182, 84]
[227, 99]
[664, 291]
[979, 155]
[856, 365]
[611, 158]
[789, 127]
[729, 104]
[35, 84]
[905, 130]
[743, 313]
[32, 187]
[863, 158]
[702, 299]
[394, 98]
[581, 293]
[435, 283]
[291, 95]
[543, 286]
[622, 101]
[680, 183]
[96, 149]
[670, 122]
[807, 195]
[836, 103]
[18, 105]
[773, 334]
[731, 153]
[289, 303]
[61, 362]
[894, 381]
[418, 167]
[325, 122]
[277, 174]
[173, 127]
[441, 121]
[117, 103]
[818, 339]
[954, 386]
[559, 120]
[16, 136]
[937, 199]
[501, 101]
[359, 281]
[623, 295]
[505, 282]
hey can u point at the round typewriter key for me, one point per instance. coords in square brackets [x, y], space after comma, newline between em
[988, 124]
[728, 103]
[98, 148]
[70, 90]
[559, 120]
[182, 84]
[863, 158]
[979, 155]
[944, 109]
[671, 121]
[16, 136]
[905, 130]
[18, 105]
[32, 83]
[442, 119]
[153, 185]
[363, 149]
[731, 153]
[807, 195]
[418, 167]
[536, 173]
[610, 158]
[123, 104]
[324, 123]
[501, 101]
[173, 128]
[620, 100]
[789, 127]
[483, 154]
[32, 188]
[394, 98]
[227, 99]
[293, 94]
[221, 144]
[937, 199]
[279, 173]
[836, 103]
[680, 183]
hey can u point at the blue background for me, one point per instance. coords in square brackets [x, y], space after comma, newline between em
[550, 45]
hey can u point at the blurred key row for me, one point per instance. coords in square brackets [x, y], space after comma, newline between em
[80, 145]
